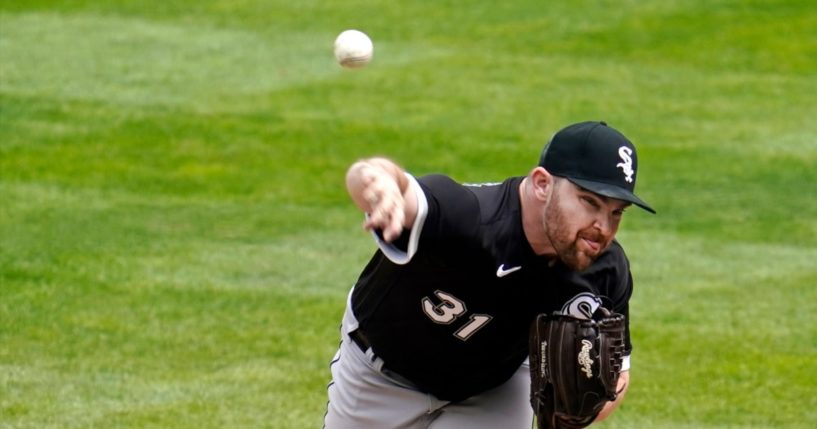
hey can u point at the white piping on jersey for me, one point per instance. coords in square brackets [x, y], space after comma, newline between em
[481, 185]
[395, 254]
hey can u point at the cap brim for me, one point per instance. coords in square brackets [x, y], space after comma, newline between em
[611, 191]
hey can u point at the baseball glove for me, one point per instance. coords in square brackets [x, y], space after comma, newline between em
[574, 366]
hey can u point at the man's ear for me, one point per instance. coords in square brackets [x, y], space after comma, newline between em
[542, 183]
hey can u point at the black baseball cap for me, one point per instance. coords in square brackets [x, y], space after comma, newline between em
[596, 157]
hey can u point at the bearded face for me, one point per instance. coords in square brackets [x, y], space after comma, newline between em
[579, 224]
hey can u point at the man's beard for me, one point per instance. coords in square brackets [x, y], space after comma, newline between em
[567, 250]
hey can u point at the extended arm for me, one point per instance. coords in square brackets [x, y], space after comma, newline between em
[380, 188]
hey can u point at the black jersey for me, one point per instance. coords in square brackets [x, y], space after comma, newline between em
[453, 315]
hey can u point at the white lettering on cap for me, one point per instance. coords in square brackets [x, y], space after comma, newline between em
[626, 164]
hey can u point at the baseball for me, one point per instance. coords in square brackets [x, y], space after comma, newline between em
[353, 49]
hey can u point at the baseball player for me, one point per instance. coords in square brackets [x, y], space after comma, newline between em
[435, 333]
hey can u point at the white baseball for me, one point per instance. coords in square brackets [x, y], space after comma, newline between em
[353, 49]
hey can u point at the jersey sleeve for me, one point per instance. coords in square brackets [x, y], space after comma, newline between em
[618, 290]
[623, 306]
[611, 280]
[446, 212]
[403, 249]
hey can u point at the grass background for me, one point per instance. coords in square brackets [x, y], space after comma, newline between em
[176, 243]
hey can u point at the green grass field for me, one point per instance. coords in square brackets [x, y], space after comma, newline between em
[176, 243]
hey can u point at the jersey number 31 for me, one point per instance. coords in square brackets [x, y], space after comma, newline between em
[449, 310]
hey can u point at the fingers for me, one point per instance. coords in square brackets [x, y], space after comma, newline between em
[386, 208]
[394, 226]
[387, 216]
[375, 188]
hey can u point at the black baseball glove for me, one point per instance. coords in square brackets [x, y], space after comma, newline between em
[574, 365]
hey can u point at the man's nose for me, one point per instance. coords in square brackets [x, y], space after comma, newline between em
[604, 224]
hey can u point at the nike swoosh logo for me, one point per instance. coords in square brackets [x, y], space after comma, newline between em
[502, 272]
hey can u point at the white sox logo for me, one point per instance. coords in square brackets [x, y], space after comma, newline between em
[582, 306]
[626, 165]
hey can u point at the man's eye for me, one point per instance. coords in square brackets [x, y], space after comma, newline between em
[590, 201]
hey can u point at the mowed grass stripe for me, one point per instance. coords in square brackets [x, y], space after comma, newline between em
[151, 364]
[136, 62]
[126, 61]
